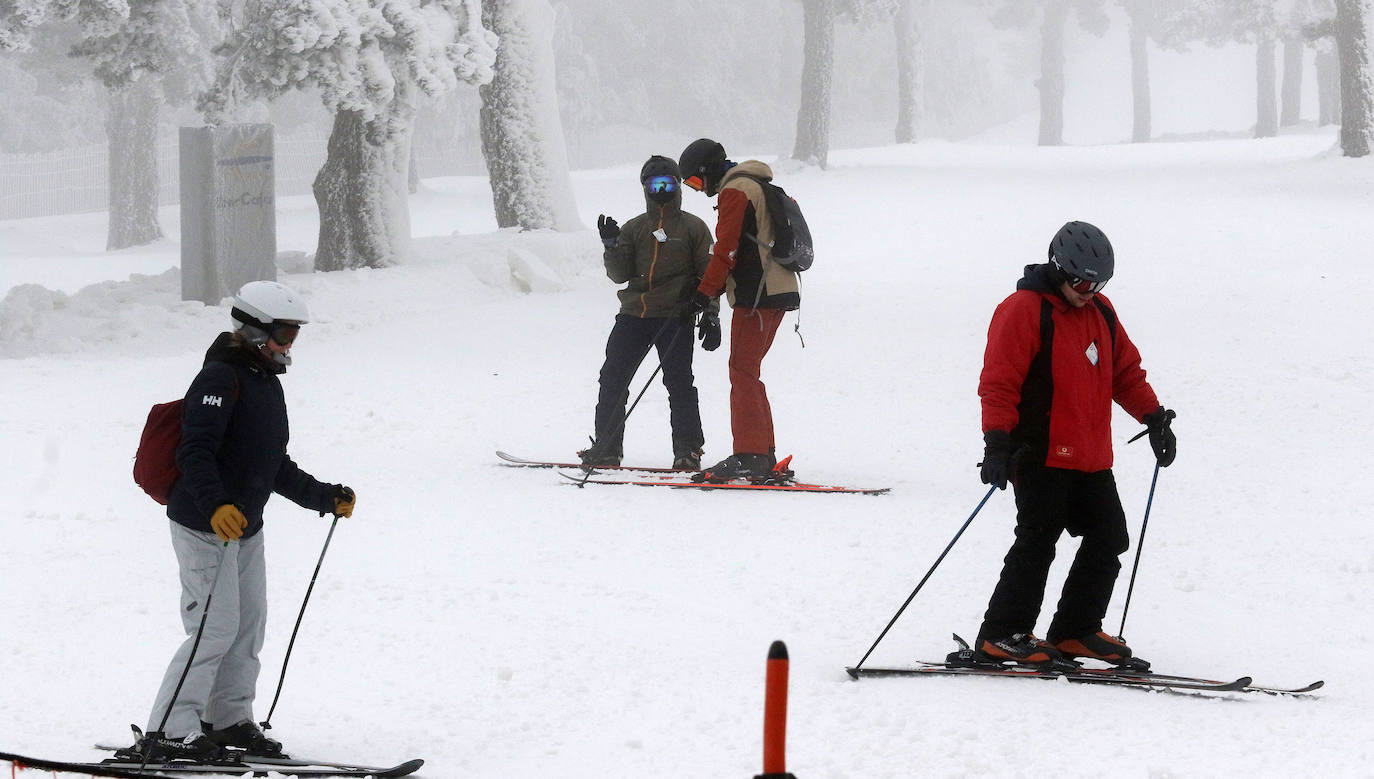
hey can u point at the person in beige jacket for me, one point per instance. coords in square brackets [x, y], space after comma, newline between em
[760, 292]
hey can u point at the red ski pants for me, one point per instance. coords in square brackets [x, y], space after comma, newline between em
[751, 419]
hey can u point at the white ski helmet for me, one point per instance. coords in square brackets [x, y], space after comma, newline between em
[262, 304]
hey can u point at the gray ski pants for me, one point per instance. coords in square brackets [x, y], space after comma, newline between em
[223, 679]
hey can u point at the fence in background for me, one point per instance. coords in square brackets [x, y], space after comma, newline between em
[76, 180]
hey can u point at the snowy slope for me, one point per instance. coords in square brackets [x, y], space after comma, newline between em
[501, 624]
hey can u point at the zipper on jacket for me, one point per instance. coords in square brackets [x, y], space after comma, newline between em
[649, 282]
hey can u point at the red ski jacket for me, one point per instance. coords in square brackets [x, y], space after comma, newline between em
[1051, 372]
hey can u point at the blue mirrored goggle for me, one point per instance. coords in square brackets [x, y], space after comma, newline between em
[661, 184]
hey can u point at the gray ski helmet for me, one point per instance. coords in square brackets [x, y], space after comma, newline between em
[1082, 252]
[701, 160]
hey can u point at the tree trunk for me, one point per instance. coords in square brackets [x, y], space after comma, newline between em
[1266, 80]
[813, 117]
[361, 194]
[1328, 66]
[908, 72]
[1353, 46]
[1140, 84]
[522, 133]
[1051, 83]
[1290, 112]
[132, 132]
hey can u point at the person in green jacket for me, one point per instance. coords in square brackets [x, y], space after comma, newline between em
[659, 256]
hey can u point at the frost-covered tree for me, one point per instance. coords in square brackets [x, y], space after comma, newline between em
[522, 132]
[1052, 16]
[146, 53]
[818, 65]
[1357, 92]
[909, 86]
[370, 61]
[1160, 21]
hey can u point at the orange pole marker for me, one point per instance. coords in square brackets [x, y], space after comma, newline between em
[775, 715]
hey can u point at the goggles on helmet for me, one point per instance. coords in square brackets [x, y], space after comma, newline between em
[695, 182]
[660, 184]
[1081, 286]
[284, 333]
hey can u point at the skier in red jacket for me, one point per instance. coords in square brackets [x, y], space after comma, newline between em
[1056, 359]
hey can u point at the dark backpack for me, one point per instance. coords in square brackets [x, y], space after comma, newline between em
[155, 462]
[791, 247]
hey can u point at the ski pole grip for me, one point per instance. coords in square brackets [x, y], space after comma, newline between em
[775, 715]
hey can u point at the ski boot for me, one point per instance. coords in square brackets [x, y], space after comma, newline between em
[594, 456]
[688, 459]
[156, 747]
[756, 468]
[1100, 646]
[248, 737]
[1016, 649]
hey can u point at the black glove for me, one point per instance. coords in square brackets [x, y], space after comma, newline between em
[696, 304]
[709, 332]
[610, 231]
[1162, 438]
[996, 458]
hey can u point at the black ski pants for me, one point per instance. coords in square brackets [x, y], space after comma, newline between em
[1048, 502]
[626, 348]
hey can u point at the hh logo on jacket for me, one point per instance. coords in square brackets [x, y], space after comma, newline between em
[212, 400]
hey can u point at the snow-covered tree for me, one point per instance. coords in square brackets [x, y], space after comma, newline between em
[145, 52]
[370, 61]
[909, 84]
[1357, 92]
[1150, 20]
[1052, 16]
[818, 65]
[522, 133]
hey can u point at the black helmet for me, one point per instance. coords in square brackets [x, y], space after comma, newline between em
[1084, 255]
[660, 178]
[659, 166]
[702, 162]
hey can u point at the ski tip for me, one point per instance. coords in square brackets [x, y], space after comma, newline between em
[853, 672]
[408, 767]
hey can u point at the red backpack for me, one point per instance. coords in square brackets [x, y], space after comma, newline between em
[155, 462]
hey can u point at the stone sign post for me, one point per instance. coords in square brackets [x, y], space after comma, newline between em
[228, 214]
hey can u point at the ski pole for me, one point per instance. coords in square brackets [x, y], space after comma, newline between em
[267, 723]
[200, 631]
[1139, 545]
[619, 424]
[922, 583]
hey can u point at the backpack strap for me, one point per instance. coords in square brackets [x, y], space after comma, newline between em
[1109, 315]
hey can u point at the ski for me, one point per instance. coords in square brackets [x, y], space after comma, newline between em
[20, 762]
[679, 483]
[286, 765]
[1082, 676]
[520, 462]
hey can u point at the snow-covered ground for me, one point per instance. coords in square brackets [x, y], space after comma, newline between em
[500, 623]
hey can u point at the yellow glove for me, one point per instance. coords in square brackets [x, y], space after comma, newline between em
[343, 501]
[228, 522]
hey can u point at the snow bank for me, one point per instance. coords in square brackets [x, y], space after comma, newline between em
[147, 313]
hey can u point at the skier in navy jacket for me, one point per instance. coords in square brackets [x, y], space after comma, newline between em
[232, 457]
